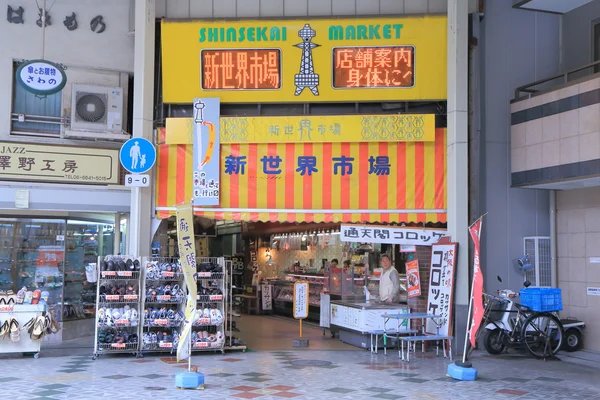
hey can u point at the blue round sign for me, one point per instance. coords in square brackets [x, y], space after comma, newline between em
[137, 155]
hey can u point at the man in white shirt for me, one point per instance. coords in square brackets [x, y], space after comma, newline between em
[389, 283]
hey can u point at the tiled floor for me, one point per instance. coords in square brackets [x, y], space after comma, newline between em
[274, 370]
[271, 375]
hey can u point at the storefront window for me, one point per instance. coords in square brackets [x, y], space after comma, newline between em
[51, 255]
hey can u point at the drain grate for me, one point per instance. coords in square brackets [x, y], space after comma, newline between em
[310, 363]
[155, 388]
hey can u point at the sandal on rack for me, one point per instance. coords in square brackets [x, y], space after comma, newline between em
[15, 331]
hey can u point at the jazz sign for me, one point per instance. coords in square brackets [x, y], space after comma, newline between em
[41, 77]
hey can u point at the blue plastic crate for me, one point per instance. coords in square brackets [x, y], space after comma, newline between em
[542, 299]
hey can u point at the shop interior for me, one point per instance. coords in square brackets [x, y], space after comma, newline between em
[273, 256]
[51, 254]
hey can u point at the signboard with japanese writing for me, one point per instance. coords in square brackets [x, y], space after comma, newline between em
[302, 60]
[29, 162]
[41, 77]
[413, 278]
[441, 288]
[391, 235]
[267, 297]
[314, 129]
[301, 295]
[207, 149]
[187, 256]
[325, 182]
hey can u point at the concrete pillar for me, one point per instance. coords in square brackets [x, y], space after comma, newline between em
[457, 155]
[140, 227]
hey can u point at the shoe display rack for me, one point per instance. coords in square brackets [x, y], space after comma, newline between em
[118, 299]
[231, 342]
[20, 331]
[163, 306]
[208, 330]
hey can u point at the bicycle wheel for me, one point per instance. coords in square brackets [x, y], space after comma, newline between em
[542, 334]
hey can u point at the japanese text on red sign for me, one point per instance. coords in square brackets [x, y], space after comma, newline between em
[241, 69]
[373, 67]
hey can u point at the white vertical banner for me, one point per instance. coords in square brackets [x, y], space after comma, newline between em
[441, 288]
[267, 297]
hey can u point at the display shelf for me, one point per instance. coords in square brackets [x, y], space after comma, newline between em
[118, 315]
[208, 330]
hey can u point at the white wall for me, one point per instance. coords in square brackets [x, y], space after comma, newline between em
[79, 50]
[297, 8]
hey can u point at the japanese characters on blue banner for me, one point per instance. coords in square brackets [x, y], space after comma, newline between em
[391, 235]
[207, 147]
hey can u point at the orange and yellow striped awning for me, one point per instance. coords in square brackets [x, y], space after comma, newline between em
[413, 190]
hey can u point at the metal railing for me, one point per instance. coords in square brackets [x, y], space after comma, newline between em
[530, 87]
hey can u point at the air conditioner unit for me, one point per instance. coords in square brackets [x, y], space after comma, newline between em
[538, 250]
[96, 109]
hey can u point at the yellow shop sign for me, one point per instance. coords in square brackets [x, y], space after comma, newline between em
[315, 129]
[29, 162]
[252, 61]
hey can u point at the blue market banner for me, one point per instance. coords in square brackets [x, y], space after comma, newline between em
[207, 148]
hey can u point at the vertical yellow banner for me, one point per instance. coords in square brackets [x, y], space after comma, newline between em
[187, 256]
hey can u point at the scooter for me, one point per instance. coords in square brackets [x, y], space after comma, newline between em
[573, 338]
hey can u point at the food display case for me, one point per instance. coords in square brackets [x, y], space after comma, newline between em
[284, 293]
[353, 320]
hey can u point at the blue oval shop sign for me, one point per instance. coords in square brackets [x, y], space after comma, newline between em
[41, 77]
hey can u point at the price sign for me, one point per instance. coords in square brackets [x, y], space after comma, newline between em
[163, 298]
[133, 297]
[161, 322]
[118, 345]
[137, 180]
[126, 274]
[215, 297]
[301, 300]
[165, 345]
[7, 309]
[108, 273]
[167, 274]
[204, 274]
[122, 322]
[113, 297]
[201, 344]
[204, 321]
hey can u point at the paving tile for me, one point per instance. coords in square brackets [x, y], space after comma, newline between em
[545, 379]
[152, 376]
[281, 388]
[46, 393]
[513, 392]
[231, 359]
[286, 395]
[9, 379]
[256, 374]
[247, 395]
[387, 396]
[258, 379]
[377, 389]
[141, 361]
[405, 374]
[222, 375]
[415, 380]
[340, 390]
[117, 377]
[519, 380]
[244, 388]
[54, 386]
[70, 371]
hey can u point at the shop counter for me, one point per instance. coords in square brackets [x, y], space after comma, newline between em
[353, 321]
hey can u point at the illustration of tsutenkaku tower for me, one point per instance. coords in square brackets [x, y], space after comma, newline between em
[306, 78]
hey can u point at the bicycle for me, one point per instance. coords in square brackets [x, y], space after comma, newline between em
[541, 333]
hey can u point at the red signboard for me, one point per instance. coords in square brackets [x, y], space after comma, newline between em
[413, 278]
[373, 67]
[250, 69]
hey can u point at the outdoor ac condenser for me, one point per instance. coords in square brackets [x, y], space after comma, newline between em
[538, 249]
[96, 109]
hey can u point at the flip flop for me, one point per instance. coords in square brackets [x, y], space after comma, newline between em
[4, 329]
[38, 328]
[15, 331]
[35, 297]
[28, 297]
